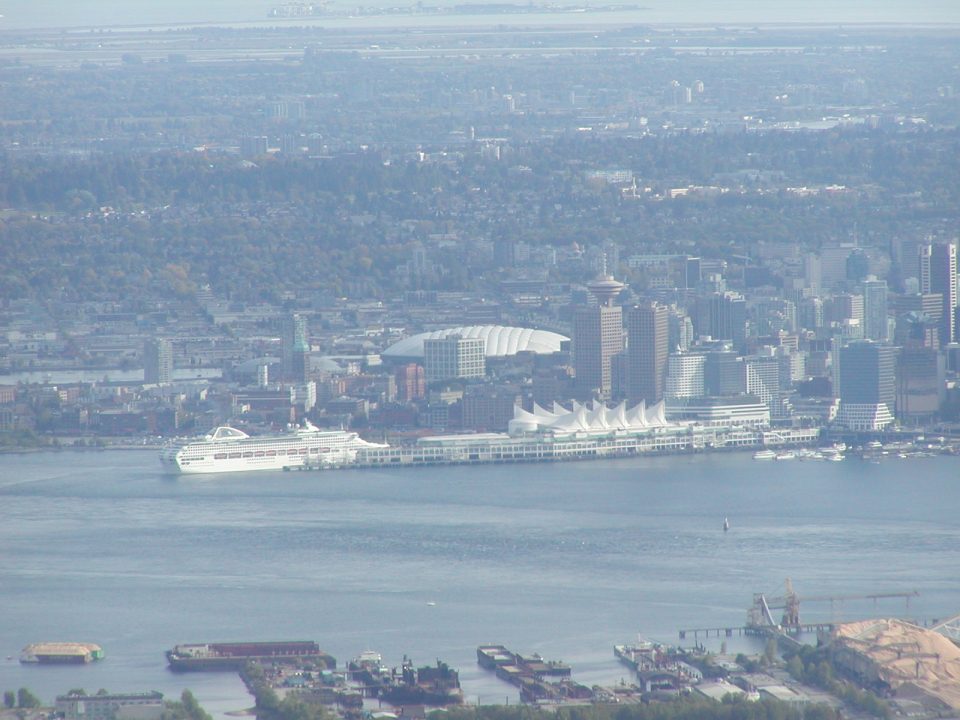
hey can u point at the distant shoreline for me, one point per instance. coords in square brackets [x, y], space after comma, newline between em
[472, 15]
[73, 448]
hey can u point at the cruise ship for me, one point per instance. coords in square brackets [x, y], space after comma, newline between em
[227, 449]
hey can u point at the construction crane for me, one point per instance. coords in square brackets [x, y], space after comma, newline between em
[760, 615]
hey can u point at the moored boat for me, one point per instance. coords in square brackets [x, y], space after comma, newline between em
[61, 653]
[227, 449]
[234, 656]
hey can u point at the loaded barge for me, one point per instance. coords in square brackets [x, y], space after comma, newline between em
[434, 686]
[537, 679]
[234, 656]
[61, 653]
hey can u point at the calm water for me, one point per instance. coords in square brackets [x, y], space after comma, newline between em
[70, 13]
[564, 559]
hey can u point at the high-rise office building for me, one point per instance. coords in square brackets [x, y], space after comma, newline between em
[917, 330]
[722, 316]
[867, 375]
[454, 356]
[812, 273]
[489, 408]
[722, 374]
[597, 337]
[680, 330]
[647, 350]
[411, 382]
[929, 305]
[924, 309]
[691, 273]
[847, 307]
[833, 263]
[875, 322]
[810, 313]
[938, 274]
[921, 383]
[294, 348]
[924, 261]
[157, 361]
[858, 265]
[773, 315]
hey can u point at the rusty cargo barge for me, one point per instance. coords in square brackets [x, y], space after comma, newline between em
[234, 656]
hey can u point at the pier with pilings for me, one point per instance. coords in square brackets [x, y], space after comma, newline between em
[728, 632]
[761, 620]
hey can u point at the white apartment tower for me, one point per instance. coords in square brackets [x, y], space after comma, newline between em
[685, 375]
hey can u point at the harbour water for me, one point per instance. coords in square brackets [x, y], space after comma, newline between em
[563, 559]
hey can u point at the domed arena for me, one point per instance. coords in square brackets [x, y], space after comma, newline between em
[498, 340]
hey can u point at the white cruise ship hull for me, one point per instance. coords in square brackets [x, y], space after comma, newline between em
[246, 465]
[229, 450]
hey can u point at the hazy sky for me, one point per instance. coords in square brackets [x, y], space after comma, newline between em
[67, 13]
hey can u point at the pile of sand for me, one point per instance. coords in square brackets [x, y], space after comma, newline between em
[908, 655]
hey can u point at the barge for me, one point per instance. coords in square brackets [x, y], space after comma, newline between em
[61, 653]
[537, 679]
[234, 656]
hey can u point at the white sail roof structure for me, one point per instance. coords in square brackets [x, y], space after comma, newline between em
[597, 419]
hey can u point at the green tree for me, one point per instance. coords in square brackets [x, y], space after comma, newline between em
[819, 711]
[795, 667]
[823, 674]
[266, 700]
[9, 699]
[770, 652]
[27, 699]
[192, 707]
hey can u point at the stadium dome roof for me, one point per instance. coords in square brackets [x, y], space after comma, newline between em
[499, 341]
